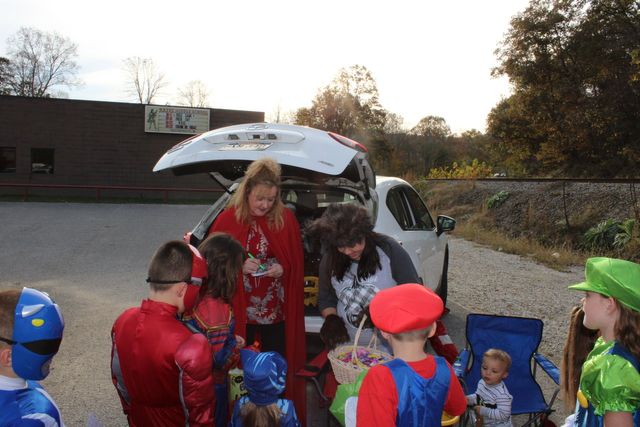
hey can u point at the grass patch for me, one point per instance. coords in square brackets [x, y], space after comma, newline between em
[557, 257]
[530, 223]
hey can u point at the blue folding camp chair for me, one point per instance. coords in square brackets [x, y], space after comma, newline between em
[520, 337]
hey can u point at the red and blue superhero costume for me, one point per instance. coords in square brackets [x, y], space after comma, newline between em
[214, 318]
[286, 244]
[162, 370]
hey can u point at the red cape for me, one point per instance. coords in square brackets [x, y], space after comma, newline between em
[287, 247]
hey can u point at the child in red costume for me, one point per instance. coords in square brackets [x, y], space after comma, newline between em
[162, 371]
[415, 387]
[213, 316]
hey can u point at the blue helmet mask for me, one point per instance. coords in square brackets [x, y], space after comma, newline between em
[37, 333]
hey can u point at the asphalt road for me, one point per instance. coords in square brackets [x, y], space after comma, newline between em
[92, 259]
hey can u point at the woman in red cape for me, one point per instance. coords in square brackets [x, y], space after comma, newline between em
[258, 219]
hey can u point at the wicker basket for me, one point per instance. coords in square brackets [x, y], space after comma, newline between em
[347, 372]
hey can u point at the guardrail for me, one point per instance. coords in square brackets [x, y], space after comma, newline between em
[101, 188]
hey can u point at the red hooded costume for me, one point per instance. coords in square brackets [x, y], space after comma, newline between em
[287, 247]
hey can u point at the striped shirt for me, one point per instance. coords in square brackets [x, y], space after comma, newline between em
[496, 404]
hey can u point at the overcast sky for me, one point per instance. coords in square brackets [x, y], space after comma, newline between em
[428, 57]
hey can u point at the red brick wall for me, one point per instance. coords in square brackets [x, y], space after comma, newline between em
[95, 143]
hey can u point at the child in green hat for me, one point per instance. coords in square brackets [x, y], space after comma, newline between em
[610, 382]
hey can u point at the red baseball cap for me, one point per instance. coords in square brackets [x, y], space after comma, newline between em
[405, 308]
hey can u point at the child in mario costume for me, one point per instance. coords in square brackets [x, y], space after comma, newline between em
[609, 391]
[31, 328]
[415, 388]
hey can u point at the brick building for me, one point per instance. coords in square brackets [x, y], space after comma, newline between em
[72, 142]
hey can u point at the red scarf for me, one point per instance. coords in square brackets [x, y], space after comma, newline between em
[287, 247]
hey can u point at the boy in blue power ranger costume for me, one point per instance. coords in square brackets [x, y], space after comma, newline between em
[31, 328]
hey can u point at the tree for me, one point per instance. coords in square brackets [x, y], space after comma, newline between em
[576, 101]
[432, 127]
[394, 123]
[144, 80]
[194, 94]
[5, 87]
[40, 61]
[349, 105]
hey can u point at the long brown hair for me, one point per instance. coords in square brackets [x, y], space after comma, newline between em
[627, 329]
[260, 416]
[577, 346]
[224, 256]
[266, 172]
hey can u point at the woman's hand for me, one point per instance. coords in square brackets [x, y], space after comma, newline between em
[250, 266]
[275, 271]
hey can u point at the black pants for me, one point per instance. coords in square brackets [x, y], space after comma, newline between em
[271, 337]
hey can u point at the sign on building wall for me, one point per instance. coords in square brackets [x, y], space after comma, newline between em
[163, 119]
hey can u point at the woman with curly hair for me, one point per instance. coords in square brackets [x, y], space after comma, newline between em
[356, 264]
[269, 301]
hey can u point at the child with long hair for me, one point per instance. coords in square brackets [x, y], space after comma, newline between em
[609, 391]
[264, 379]
[213, 316]
[577, 346]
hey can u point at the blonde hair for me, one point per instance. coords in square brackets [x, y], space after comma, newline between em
[415, 335]
[266, 172]
[499, 355]
[253, 415]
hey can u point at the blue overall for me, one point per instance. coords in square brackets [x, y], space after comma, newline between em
[586, 417]
[28, 407]
[420, 400]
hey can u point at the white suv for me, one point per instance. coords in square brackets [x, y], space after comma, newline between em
[318, 168]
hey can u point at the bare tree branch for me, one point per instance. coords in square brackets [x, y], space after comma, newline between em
[194, 94]
[143, 79]
[40, 61]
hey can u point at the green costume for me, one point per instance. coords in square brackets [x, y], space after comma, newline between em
[610, 382]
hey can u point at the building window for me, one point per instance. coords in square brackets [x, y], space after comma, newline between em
[42, 160]
[7, 159]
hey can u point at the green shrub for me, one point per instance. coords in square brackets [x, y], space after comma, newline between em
[609, 234]
[497, 199]
[625, 233]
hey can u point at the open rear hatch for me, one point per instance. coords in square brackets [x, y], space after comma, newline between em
[305, 154]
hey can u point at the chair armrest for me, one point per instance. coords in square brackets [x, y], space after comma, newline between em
[315, 366]
[461, 363]
[548, 366]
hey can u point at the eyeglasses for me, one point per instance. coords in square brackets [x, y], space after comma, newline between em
[170, 282]
[41, 347]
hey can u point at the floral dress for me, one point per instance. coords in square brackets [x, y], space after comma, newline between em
[264, 295]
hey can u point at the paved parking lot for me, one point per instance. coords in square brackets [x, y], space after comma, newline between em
[92, 258]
